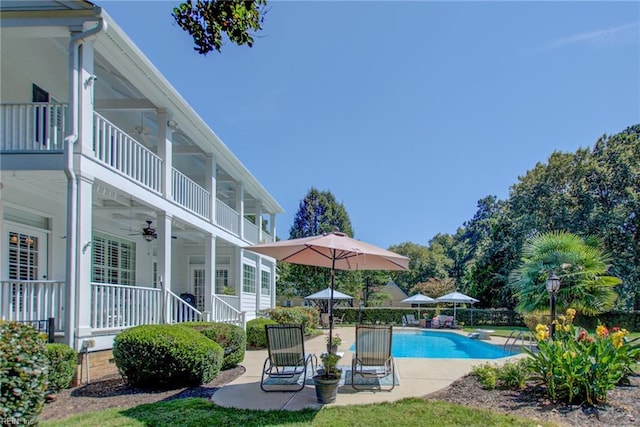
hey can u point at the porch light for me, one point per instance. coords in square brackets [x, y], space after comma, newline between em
[149, 237]
[553, 285]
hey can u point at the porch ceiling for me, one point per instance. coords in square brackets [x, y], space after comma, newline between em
[49, 184]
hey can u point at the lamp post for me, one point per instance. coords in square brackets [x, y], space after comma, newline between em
[360, 307]
[553, 284]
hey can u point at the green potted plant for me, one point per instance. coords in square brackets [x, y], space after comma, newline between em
[328, 378]
[332, 345]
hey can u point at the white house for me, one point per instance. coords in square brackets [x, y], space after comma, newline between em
[115, 196]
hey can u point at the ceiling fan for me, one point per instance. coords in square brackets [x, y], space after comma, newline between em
[149, 233]
[142, 131]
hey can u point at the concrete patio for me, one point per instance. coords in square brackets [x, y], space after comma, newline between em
[418, 377]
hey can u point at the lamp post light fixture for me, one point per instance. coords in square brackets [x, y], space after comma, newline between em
[553, 285]
[360, 307]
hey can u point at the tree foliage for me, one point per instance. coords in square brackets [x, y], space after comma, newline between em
[209, 22]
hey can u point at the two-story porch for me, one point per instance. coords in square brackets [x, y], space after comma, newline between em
[116, 197]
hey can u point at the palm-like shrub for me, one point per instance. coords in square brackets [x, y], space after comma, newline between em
[581, 266]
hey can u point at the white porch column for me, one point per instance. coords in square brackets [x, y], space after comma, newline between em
[165, 151]
[272, 226]
[272, 285]
[240, 208]
[237, 262]
[258, 281]
[86, 85]
[210, 180]
[210, 271]
[84, 238]
[164, 256]
[258, 219]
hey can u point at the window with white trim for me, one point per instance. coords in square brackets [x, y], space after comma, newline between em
[114, 260]
[265, 282]
[248, 278]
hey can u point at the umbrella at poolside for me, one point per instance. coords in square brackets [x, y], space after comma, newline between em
[456, 298]
[335, 251]
[325, 295]
[418, 299]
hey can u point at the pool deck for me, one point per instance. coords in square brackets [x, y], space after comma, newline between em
[418, 377]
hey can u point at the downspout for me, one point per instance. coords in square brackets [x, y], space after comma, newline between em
[72, 197]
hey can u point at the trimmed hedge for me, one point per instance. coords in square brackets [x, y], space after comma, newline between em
[256, 337]
[232, 338]
[23, 372]
[62, 366]
[166, 356]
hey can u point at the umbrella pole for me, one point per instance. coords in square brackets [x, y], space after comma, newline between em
[333, 269]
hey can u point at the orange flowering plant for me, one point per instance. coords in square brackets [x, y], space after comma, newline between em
[576, 366]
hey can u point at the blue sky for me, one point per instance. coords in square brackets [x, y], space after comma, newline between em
[408, 112]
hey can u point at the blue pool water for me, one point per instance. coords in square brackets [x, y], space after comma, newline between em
[441, 345]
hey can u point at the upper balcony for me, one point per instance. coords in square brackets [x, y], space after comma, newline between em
[34, 128]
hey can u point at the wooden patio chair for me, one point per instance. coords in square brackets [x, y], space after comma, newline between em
[287, 360]
[372, 357]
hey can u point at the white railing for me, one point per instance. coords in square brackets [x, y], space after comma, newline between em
[119, 151]
[266, 237]
[179, 311]
[190, 195]
[250, 231]
[232, 300]
[119, 306]
[225, 313]
[32, 127]
[226, 217]
[31, 300]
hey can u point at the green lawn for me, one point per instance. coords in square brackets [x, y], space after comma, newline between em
[200, 412]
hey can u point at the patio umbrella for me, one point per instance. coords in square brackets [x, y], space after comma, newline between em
[418, 299]
[336, 251]
[456, 298]
[325, 295]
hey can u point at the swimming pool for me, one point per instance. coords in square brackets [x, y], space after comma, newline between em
[442, 345]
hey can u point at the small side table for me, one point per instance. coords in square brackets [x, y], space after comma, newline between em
[424, 323]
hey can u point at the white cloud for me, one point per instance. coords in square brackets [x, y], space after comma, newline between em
[609, 37]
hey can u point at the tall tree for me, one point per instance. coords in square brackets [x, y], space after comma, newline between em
[613, 182]
[210, 22]
[581, 266]
[319, 213]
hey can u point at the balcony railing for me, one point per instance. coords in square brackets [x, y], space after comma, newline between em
[32, 300]
[190, 195]
[32, 127]
[41, 127]
[119, 151]
[227, 218]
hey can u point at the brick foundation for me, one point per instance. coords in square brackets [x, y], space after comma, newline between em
[101, 364]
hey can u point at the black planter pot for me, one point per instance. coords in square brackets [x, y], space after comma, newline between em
[326, 388]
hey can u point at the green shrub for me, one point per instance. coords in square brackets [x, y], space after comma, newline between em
[256, 337]
[23, 372]
[487, 374]
[62, 366]
[232, 338]
[309, 317]
[514, 375]
[166, 356]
